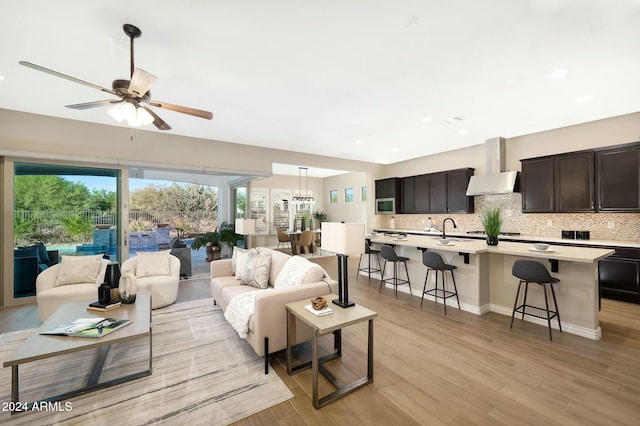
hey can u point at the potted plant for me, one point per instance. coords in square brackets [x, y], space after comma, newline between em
[319, 217]
[210, 241]
[228, 236]
[492, 223]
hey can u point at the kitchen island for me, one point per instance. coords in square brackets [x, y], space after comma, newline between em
[485, 283]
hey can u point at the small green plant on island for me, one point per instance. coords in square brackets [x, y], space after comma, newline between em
[492, 221]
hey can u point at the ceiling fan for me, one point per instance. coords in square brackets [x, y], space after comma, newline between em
[133, 94]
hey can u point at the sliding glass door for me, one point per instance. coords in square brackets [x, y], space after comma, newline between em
[61, 210]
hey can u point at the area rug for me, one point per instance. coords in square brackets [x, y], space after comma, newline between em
[203, 374]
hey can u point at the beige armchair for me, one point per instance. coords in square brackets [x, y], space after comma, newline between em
[50, 295]
[162, 284]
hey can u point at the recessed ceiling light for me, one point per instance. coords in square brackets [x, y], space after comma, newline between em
[359, 142]
[426, 119]
[584, 98]
[559, 73]
[463, 131]
[394, 150]
[1, 77]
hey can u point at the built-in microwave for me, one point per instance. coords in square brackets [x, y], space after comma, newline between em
[386, 206]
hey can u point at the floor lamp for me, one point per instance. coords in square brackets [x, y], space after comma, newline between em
[246, 227]
[343, 239]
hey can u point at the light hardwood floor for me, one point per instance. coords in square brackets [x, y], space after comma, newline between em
[459, 369]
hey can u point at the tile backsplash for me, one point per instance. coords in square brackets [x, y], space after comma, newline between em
[602, 226]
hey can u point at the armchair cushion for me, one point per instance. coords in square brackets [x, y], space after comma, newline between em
[78, 270]
[257, 268]
[153, 263]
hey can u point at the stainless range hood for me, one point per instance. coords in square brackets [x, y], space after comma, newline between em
[496, 180]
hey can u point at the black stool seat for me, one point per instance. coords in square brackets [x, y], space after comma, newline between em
[389, 255]
[434, 262]
[368, 251]
[529, 271]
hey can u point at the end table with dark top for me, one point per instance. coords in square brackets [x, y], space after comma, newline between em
[322, 325]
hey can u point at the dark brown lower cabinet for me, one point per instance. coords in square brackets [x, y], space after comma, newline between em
[619, 275]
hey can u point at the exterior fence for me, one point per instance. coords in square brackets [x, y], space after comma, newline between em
[50, 221]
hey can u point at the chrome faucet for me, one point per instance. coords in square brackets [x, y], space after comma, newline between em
[444, 234]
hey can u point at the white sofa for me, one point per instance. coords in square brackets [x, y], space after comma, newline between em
[267, 326]
[50, 297]
[163, 288]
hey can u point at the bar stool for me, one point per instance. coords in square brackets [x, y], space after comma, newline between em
[529, 271]
[369, 252]
[434, 262]
[389, 255]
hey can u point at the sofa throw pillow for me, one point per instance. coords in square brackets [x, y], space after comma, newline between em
[153, 263]
[297, 271]
[256, 272]
[241, 263]
[234, 261]
[78, 270]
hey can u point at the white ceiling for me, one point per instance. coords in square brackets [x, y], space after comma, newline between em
[317, 76]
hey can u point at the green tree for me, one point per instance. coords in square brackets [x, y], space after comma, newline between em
[177, 204]
[39, 193]
[103, 200]
[77, 227]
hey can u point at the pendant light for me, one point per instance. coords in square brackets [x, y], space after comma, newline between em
[303, 198]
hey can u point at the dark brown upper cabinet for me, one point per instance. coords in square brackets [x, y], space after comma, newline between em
[537, 186]
[388, 188]
[574, 182]
[618, 178]
[438, 192]
[457, 200]
[448, 192]
[441, 192]
[421, 194]
[408, 195]
[560, 183]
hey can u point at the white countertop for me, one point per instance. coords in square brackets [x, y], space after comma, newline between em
[476, 246]
[505, 238]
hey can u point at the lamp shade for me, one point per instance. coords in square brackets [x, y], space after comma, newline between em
[343, 238]
[245, 226]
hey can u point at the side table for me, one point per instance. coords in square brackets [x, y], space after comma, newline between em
[333, 323]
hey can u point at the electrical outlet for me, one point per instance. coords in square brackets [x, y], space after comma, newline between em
[549, 223]
[611, 225]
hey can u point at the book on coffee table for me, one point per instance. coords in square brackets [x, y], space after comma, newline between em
[88, 327]
[101, 307]
[322, 312]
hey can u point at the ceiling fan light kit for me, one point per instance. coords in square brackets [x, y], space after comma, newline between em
[135, 116]
[132, 93]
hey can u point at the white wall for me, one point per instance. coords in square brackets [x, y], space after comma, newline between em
[356, 212]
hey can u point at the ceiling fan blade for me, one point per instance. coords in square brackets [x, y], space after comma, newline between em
[68, 77]
[157, 121]
[183, 109]
[141, 82]
[95, 104]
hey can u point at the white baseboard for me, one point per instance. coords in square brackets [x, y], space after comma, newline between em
[502, 310]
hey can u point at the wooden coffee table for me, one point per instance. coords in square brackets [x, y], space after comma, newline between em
[39, 347]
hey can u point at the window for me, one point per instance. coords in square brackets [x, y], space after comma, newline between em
[333, 196]
[348, 195]
[363, 193]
